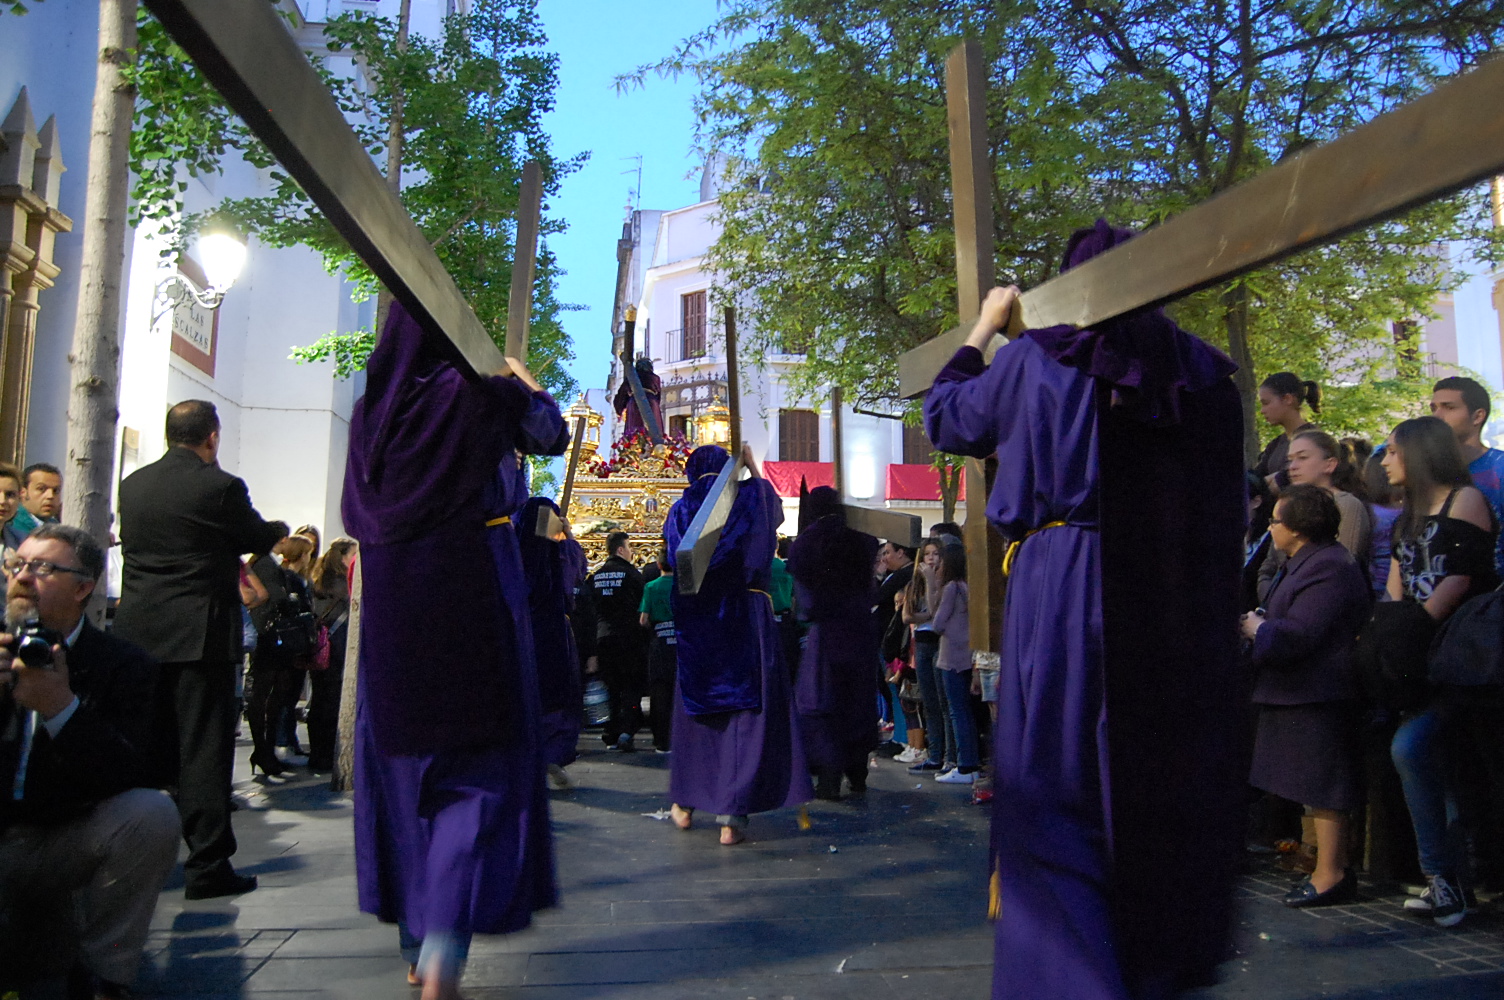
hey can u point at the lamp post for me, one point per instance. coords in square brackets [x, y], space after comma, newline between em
[714, 425]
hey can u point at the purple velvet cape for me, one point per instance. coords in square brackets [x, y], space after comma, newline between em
[835, 689]
[553, 570]
[1120, 735]
[451, 817]
[732, 760]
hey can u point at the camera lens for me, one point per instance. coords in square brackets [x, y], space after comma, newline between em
[34, 651]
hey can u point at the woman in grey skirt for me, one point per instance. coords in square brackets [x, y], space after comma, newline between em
[1301, 649]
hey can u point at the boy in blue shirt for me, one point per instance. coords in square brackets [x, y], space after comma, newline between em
[1465, 406]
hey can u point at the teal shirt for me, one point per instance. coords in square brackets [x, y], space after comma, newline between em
[655, 599]
[782, 588]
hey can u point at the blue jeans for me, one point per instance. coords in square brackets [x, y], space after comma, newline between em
[937, 732]
[955, 690]
[1419, 755]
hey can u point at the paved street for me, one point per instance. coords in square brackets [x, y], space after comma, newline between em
[885, 900]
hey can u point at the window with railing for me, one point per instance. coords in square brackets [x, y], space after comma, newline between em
[798, 436]
[917, 449]
[692, 324]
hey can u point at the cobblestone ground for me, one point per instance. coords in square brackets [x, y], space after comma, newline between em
[875, 901]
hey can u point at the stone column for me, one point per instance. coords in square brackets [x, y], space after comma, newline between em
[31, 168]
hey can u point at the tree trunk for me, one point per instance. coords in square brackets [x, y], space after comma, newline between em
[395, 137]
[93, 405]
[1235, 318]
[950, 490]
[343, 779]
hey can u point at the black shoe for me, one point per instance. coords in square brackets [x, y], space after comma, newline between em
[1305, 894]
[226, 884]
[624, 743]
[828, 787]
[269, 765]
[925, 765]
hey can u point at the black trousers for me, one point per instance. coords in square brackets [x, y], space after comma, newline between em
[663, 665]
[195, 728]
[624, 670]
[323, 704]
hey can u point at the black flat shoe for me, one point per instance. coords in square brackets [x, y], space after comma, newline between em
[227, 884]
[1305, 894]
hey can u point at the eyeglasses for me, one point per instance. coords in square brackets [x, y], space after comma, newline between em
[40, 568]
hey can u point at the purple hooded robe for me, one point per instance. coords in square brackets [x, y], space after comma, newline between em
[451, 811]
[736, 738]
[1117, 819]
[553, 570]
[835, 689]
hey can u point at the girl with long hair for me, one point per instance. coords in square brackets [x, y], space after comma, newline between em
[330, 585]
[953, 663]
[1443, 554]
[919, 614]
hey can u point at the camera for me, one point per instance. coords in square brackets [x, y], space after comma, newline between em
[32, 643]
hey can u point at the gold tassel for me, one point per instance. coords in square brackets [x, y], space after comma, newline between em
[804, 823]
[995, 896]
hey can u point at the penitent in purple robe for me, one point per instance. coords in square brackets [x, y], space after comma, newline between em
[835, 689]
[736, 738]
[1117, 818]
[553, 570]
[451, 810]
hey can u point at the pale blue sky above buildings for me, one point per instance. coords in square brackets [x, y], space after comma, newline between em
[597, 40]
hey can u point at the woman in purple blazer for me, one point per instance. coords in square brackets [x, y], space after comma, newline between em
[1306, 749]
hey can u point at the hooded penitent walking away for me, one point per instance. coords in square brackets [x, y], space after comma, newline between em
[1117, 816]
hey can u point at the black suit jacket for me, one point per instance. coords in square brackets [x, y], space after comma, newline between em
[100, 752]
[184, 524]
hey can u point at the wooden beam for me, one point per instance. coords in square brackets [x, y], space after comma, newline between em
[892, 525]
[1427, 149]
[524, 261]
[837, 442]
[567, 497]
[697, 547]
[245, 51]
[733, 383]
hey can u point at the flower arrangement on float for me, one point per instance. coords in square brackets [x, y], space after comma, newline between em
[629, 452]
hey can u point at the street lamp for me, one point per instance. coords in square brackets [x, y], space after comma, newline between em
[221, 254]
[714, 426]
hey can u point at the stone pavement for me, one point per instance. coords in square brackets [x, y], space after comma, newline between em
[876, 901]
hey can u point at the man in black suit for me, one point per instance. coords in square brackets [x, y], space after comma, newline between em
[85, 843]
[184, 524]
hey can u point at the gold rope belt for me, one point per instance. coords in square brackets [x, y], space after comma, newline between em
[497, 522]
[1013, 547]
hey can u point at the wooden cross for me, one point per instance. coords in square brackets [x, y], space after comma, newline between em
[552, 526]
[1427, 149]
[697, 547]
[245, 50]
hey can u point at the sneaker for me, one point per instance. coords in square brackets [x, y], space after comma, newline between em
[911, 755]
[1444, 898]
[956, 776]
[1421, 901]
[923, 766]
[558, 777]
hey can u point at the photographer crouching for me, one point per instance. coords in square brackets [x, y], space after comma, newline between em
[85, 844]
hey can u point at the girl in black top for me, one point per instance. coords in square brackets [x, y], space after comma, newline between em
[1442, 554]
[1281, 398]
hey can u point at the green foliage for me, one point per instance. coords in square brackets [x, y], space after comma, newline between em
[17, 7]
[837, 227]
[472, 105]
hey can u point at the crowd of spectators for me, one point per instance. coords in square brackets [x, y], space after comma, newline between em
[1372, 635]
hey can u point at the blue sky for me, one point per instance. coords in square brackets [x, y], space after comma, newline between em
[596, 40]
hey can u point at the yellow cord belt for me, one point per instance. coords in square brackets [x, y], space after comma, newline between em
[1013, 547]
[497, 522]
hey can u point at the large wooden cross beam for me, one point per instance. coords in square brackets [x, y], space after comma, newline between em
[245, 50]
[1424, 150]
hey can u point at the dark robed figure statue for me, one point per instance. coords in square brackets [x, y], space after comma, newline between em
[1121, 701]
[736, 739]
[835, 689]
[451, 811]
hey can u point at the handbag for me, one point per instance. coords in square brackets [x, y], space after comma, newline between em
[1391, 655]
[1469, 648]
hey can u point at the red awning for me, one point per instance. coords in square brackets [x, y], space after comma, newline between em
[916, 482]
[785, 476]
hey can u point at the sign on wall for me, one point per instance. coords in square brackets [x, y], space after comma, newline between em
[195, 330]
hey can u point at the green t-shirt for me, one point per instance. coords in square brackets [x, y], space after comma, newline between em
[782, 588]
[655, 599]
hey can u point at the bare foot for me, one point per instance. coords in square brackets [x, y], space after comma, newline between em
[437, 989]
[682, 817]
[413, 979]
[731, 835]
